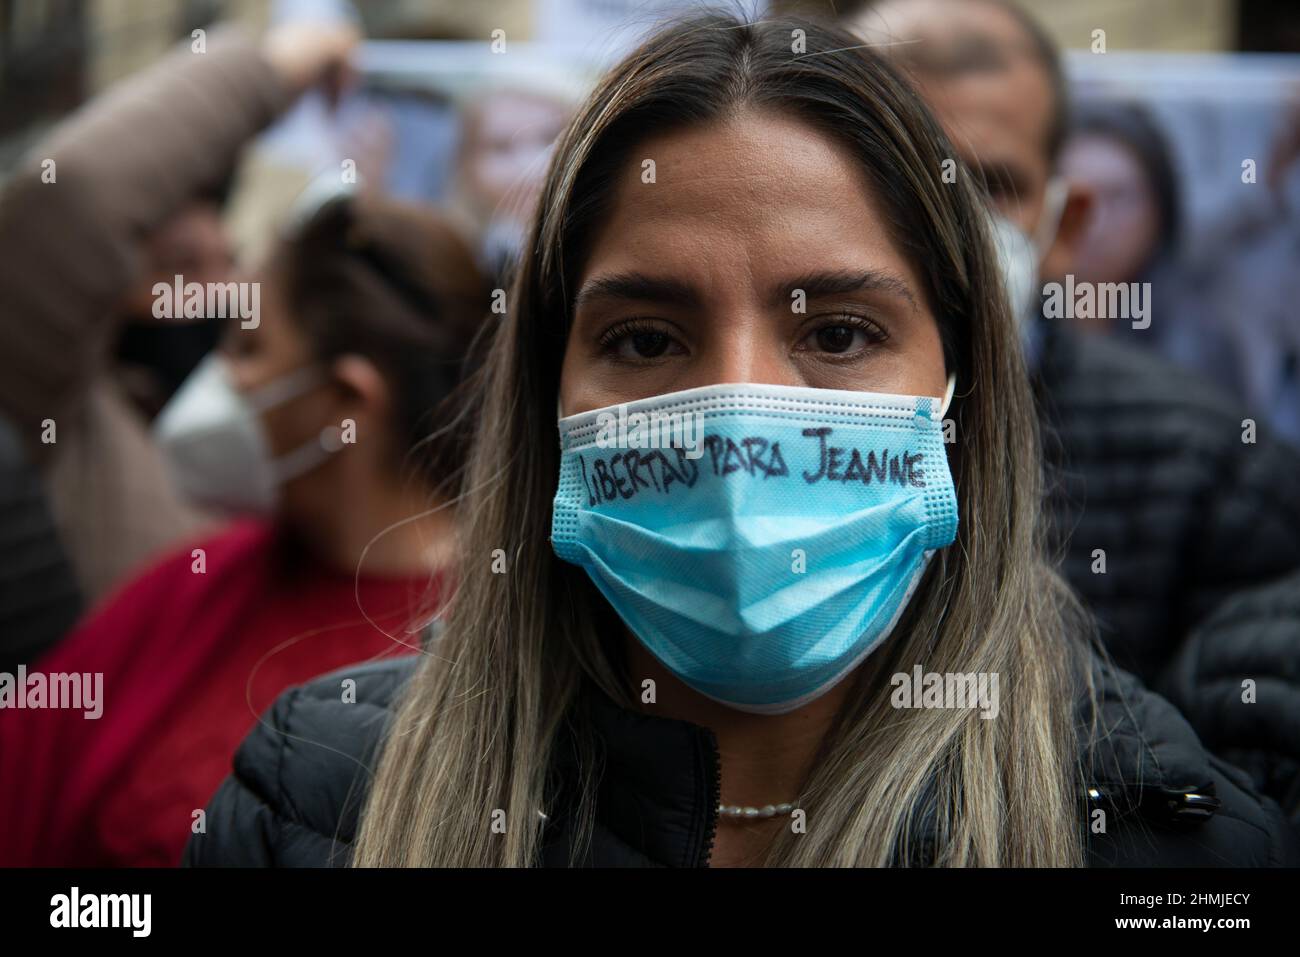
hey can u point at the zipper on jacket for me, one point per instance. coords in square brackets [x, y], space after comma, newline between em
[1182, 806]
[715, 798]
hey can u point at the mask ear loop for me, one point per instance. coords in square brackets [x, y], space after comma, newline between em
[284, 389]
[1057, 192]
[947, 394]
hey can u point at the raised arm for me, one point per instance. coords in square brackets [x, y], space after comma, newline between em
[75, 214]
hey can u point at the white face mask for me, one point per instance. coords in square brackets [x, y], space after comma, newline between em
[1019, 254]
[212, 437]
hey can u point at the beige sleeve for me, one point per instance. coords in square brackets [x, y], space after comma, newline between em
[116, 169]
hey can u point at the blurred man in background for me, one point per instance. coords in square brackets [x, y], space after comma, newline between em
[1165, 499]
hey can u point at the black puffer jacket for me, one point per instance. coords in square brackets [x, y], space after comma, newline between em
[1253, 637]
[1148, 464]
[301, 777]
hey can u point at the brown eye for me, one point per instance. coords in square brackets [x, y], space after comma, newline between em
[648, 345]
[845, 335]
[836, 338]
[637, 340]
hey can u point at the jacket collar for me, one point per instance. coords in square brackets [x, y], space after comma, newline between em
[659, 786]
[659, 778]
[1143, 756]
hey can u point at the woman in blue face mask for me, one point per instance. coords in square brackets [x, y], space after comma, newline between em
[752, 571]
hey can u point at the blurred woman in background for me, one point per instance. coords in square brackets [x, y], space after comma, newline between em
[332, 422]
[1135, 236]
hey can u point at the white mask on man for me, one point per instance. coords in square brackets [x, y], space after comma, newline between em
[1020, 255]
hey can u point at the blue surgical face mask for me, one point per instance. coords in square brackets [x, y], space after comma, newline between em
[759, 540]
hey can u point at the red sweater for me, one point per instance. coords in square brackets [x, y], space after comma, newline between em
[189, 661]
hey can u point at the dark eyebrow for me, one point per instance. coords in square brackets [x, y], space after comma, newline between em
[635, 285]
[840, 283]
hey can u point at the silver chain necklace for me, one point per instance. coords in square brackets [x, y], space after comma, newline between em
[768, 810]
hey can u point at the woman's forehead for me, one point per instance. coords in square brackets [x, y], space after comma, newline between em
[749, 199]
